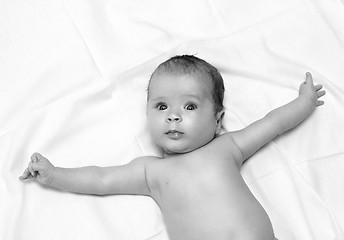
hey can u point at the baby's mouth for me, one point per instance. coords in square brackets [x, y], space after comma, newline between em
[174, 134]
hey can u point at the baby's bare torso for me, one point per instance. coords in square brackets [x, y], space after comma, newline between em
[203, 196]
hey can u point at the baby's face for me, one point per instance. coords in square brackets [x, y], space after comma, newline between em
[180, 111]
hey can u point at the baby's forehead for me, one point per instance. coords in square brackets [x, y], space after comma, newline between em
[193, 83]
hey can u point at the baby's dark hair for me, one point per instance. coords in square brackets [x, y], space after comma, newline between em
[190, 64]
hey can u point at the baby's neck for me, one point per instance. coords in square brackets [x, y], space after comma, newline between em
[170, 154]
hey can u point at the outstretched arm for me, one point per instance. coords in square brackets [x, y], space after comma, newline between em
[124, 179]
[279, 120]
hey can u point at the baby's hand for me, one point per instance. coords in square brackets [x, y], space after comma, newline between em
[308, 89]
[39, 168]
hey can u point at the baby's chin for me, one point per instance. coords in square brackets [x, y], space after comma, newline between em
[173, 152]
[177, 150]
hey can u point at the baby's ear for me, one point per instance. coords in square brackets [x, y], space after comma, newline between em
[219, 117]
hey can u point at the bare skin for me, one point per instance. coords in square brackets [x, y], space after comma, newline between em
[203, 195]
[197, 183]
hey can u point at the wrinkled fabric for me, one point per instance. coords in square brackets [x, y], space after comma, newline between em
[73, 79]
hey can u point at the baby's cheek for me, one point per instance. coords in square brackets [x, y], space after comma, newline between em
[155, 130]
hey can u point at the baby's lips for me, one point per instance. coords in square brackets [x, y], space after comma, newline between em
[175, 135]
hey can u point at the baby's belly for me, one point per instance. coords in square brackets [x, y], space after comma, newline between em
[198, 210]
[218, 222]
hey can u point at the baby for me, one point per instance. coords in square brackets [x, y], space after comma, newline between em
[197, 182]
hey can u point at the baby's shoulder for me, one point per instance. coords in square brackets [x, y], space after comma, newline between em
[146, 161]
[156, 169]
[224, 142]
[150, 163]
[226, 146]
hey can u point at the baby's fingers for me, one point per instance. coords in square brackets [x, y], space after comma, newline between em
[33, 168]
[321, 93]
[36, 157]
[309, 78]
[318, 87]
[26, 174]
[320, 103]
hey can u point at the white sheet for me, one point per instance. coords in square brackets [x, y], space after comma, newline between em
[73, 76]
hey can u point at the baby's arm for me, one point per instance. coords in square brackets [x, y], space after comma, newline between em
[279, 120]
[124, 179]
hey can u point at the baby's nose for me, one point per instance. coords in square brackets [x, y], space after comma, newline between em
[174, 118]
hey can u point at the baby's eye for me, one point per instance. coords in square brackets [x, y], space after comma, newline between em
[190, 107]
[161, 106]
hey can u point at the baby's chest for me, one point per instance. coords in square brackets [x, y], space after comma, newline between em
[208, 199]
[183, 187]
